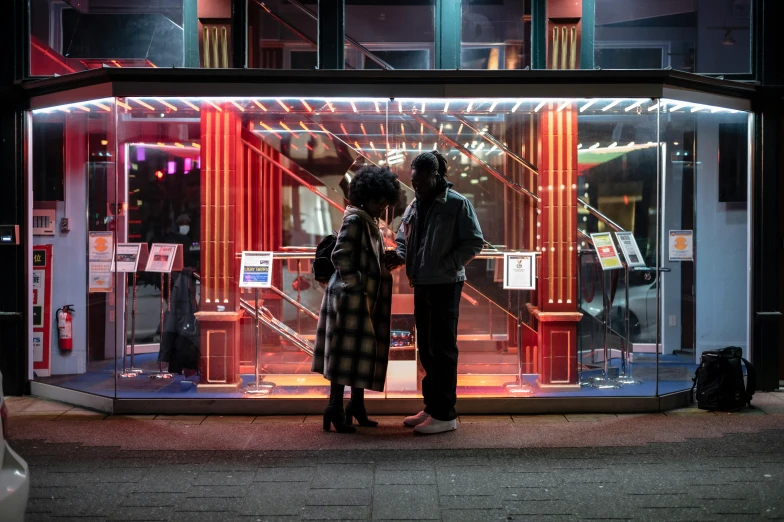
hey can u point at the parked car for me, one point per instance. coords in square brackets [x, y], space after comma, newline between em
[14, 473]
[642, 311]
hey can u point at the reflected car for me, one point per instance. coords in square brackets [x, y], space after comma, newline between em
[14, 473]
[642, 311]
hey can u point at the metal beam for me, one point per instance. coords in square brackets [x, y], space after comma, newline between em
[448, 32]
[588, 32]
[538, 34]
[239, 34]
[331, 34]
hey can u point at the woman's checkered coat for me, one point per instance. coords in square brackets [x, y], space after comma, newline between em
[352, 340]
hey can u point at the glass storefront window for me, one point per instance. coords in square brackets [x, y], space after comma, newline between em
[218, 176]
[496, 35]
[699, 36]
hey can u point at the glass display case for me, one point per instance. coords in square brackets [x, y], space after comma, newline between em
[663, 178]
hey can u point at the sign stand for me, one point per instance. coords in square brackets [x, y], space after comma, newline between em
[128, 258]
[164, 258]
[519, 275]
[634, 262]
[255, 273]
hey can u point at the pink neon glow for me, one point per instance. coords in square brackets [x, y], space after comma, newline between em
[172, 167]
[140, 154]
[188, 165]
[198, 162]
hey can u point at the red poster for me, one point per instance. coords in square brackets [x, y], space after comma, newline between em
[42, 309]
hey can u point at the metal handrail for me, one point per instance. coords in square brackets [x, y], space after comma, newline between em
[307, 253]
[292, 301]
[492, 139]
[268, 320]
[286, 24]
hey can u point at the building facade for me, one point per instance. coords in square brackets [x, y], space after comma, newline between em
[622, 156]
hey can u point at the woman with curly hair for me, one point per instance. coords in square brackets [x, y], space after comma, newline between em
[352, 339]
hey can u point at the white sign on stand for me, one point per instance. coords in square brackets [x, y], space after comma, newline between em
[630, 249]
[519, 271]
[127, 257]
[256, 270]
[162, 257]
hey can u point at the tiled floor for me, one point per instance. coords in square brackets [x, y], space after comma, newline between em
[679, 465]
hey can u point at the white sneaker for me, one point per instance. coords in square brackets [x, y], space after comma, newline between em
[432, 426]
[416, 420]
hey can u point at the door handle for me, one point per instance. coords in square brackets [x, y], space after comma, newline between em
[664, 269]
[769, 314]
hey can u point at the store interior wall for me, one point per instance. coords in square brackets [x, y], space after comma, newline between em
[721, 242]
[69, 268]
[715, 19]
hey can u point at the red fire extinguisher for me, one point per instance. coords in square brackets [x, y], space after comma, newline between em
[65, 327]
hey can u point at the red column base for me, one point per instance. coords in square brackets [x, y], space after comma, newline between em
[220, 356]
[558, 350]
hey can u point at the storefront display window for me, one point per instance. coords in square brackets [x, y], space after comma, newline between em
[212, 177]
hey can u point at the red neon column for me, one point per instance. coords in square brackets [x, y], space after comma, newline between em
[220, 314]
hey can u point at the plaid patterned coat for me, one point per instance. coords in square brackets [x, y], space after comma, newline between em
[352, 340]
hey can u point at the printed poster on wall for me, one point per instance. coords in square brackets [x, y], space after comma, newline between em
[256, 270]
[101, 262]
[161, 258]
[519, 271]
[605, 249]
[42, 309]
[630, 249]
[681, 245]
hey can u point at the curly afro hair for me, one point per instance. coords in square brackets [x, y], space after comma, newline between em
[374, 183]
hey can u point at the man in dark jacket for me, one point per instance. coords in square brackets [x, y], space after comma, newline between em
[438, 236]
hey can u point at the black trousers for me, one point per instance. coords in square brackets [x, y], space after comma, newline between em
[436, 310]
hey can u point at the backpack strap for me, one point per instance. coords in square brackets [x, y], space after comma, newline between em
[751, 380]
[694, 380]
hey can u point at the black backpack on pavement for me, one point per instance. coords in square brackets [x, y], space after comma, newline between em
[322, 263]
[719, 380]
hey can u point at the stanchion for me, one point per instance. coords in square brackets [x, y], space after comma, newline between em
[625, 377]
[161, 374]
[519, 387]
[132, 371]
[258, 387]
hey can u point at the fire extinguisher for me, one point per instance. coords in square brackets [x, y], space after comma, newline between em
[65, 327]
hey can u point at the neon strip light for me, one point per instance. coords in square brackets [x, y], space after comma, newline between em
[539, 107]
[306, 106]
[590, 102]
[259, 105]
[634, 105]
[611, 105]
[189, 104]
[446, 108]
[288, 129]
[517, 106]
[213, 105]
[167, 104]
[237, 105]
[143, 104]
[271, 130]
[285, 107]
[124, 105]
[353, 107]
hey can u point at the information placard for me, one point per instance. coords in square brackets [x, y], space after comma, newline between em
[101, 246]
[101, 276]
[127, 257]
[161, 258]
[681, 245]
[519, 271]
[256, 270]
[630, 249]
[42, 309]
[605, 249]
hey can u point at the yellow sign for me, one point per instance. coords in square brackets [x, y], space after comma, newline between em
[605, 250]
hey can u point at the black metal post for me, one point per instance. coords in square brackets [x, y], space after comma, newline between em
[448, 33]
[588, 33]
[239, 34]
[538, 34]
[331, 34]
[14, 31]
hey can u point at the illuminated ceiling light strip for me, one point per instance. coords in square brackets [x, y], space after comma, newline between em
[634, 105]
[178, 144]
[345, 133]
[400, 107]
[302, 124]
[470, 106]
[373, 147]
[492, 107]
[166, 104]
[285, 107]
[612, 145]
[403, 130]
[143, 104]
[238, 106]
[718, 109]
[102, 106]
[382, 129]
[124, 105]
[590, 102]
[579, 146]
[189, 104]
[564, 105]
[353, 107]
[594, 146]
[655, 106]
[517, 106]
[446, 107]
[288, 129]
[357, 147]
[259, 105]
[678, 107]
[331, 107]
[213, 105]
[307, 107]
[631, 144]
[697, 108]
[612, 104]
[196, 145]
[377, 109]
[459, 130]
[271, 130]
[541, 104]
[362, 126]
[83, 107]
[423, 107]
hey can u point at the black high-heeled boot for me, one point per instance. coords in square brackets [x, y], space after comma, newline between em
[355, 409]
[334, 414]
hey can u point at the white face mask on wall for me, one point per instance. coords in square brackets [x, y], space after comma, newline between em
[184, 229]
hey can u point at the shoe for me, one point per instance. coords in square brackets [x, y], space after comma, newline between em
[432, 426]
[337, 418]
[361, 415]
[416, 420]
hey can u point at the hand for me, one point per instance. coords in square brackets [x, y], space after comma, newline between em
[393, 260]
